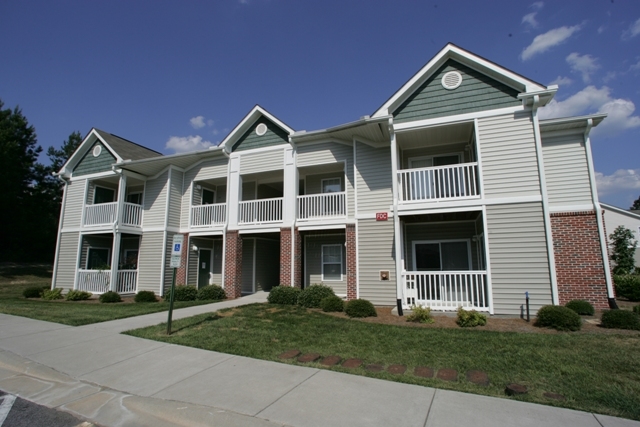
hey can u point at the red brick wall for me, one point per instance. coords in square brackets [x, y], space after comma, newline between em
[579, 264]
[181, 274]
[285, 257]
[350, 235]
[233, 265]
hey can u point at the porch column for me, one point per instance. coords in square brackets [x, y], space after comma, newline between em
[122, 189]
[115, 260]
[352, 285]
[233, 264]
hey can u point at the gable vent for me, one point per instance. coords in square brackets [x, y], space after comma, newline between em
[261, 129]
[451, 80]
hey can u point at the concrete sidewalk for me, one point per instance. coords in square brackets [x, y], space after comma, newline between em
[116, 380]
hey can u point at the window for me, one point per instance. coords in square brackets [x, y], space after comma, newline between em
[452, 255]
[331, 262]
[98, 259]
[208, 196]
[135, 198]
[103, 195]
[331, 185]
[130, 261]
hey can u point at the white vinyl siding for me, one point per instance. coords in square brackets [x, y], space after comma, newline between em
[175, 198]
[519, 259]
[210, 169]
[261, 161]
[67, 259]
[566, 170]
[73, 204]
[313, 261]
[375, 243]
[508, 151]
[150, 262]
[373, 178]
[155, 201]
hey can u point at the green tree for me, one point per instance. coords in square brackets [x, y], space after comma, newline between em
[636, 204]
[624, 248]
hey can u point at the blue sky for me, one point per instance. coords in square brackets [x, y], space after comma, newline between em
[179, 75]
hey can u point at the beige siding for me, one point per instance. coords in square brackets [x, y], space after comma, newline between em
[566, 170]
[73, 204]
[150, 261]
[175, 198]
[509, 162]
[373, 178]
[261, 161]
[376, 252]
[519, 259]
[313, 261]
[210, 169]
[67, 256]
[155, 201]
[440, 232]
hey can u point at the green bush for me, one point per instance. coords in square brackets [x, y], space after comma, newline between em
[311, 296]
[636, 309]
[109, 297]
[420, 314]
[628, 286]
[620, 319]
[51, 294]
[283, 294]
[558, 317]
[581, 307]
[77, 295]
[183, 293]
[35, 291]
[360, 308]
[332, 304]
[145, 296]
[211, 292]
[470, 318]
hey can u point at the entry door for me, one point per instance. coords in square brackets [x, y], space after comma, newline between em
[204, 267]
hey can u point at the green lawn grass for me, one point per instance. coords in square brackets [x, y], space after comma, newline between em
[595, 372]
[15, 278]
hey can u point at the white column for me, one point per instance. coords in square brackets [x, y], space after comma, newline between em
[396, 217]
[289, 186]
[115, 260]
[234, 192]
[122, 190]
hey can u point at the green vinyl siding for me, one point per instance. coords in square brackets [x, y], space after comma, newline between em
[250, 140]
[90, 164]
[476, 93]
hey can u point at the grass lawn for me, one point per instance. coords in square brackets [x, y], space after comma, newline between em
[14, 279]
[595, 372]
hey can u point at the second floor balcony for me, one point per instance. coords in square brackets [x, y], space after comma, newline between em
[325, 205]
[102, 214]
[260, 211]
[439, 183]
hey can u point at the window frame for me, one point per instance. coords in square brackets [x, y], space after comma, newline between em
[202, 190]
[439, 242]
[132, 194]
[460, 155]
[95, 192]
[100, 248]
[323, 263]
[322, 181]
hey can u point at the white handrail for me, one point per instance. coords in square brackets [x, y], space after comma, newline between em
[322, 205]
[95, 281]
[132, 214]
[446, 290]
[439, 182]
[100, 214]
[127, 281]
[208, 215]
[260, 211]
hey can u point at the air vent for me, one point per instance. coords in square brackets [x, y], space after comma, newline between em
[97, 150]
[451, 80]
[261, 129]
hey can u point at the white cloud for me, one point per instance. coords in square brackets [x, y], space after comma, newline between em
[591, 99]
[530, 18]
[215, 131]
[601, 29]
[561, 81]
[543, 42]
[635, 67]
[620, 180]
[585, 65]
[537, 5]
[197, 122]
[181, 144]
[633, 30]
[210, 122]
[611, 75]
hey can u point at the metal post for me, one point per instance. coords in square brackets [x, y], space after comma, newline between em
[172, 295]
[527, 296]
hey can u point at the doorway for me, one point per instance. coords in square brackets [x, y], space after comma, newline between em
[204, 267]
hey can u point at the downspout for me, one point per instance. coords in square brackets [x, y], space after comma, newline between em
[545, 202]
[55, 261]
[596, 206]
[226, 216]
[396, 218]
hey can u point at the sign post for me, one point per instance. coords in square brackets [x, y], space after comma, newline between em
[176, 262]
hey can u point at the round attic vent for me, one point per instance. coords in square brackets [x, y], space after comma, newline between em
[97, 150]
[451, 80]
[261, 129]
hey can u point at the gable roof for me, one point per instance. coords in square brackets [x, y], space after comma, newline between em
[482, 65]
[248, 120]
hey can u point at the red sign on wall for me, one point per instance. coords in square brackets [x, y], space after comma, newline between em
[381, 216]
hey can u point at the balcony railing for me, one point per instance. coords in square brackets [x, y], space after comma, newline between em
[100, 214]
[327, 205]
[450, 182]
[132, 214]
[260, 211]
[208, 215]
[99, 281]
[127, 281]
[446, 290]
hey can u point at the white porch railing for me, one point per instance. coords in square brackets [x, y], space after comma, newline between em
[127, 280]
[446, 290]
[260, 211]
[131, 214]
[95, 281]
[326, 205]
[100, 214]
[208, 215]
[439, 183]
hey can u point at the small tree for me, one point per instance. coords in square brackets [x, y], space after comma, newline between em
[624, 248]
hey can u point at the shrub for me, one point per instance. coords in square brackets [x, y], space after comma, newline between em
[211, 292]
[332, 304]
[145, 296]
[109, 297]
[628, 286]
[51, 294]
[360, 308]
[311, 296]
[636, 309]
[283, 294]
[623, 248]
[77, 295]
[620, 319]
[183, 293]
[420, 314]
[558, 317]
[34, 291]
[581, 307]
[470, 318]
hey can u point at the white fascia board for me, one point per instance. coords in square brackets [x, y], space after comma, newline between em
[545, 96]
[619, 210]
[451, 51]
[247, 121]
[578, 120]
[80, 152]
[118, 158]
[303, 136]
